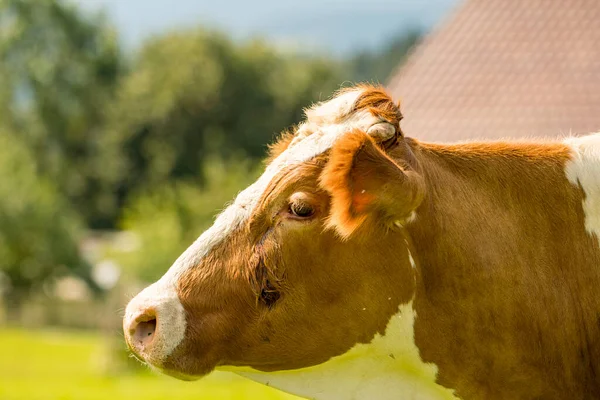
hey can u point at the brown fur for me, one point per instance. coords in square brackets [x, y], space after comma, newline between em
[378, 102]
[225, 320]
[506, 284]
[507, 296]
[354, 177]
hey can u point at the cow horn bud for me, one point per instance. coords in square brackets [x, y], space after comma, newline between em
[382, 131]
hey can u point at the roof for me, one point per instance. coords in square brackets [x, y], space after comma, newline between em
[505, 68]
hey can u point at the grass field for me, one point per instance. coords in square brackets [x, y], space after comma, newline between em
[58, 365]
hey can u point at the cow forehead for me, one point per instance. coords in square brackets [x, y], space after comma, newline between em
[326, 123]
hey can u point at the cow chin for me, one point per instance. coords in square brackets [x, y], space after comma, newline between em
[187, 364]
[179, 375]
[185, 370]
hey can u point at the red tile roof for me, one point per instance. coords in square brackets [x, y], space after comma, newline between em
[505, 68]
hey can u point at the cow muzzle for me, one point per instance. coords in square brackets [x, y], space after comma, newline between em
[154, 324]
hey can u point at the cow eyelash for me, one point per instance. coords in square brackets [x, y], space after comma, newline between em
[301, 210]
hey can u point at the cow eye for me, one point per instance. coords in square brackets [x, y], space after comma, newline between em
[302, 210]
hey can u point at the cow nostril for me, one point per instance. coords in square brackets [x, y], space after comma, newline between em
[143, 330]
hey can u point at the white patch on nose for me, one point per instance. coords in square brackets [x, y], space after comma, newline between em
[170, 320]
[584, 169]
[389, 367]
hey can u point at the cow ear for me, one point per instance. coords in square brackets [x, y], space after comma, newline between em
[365, 183]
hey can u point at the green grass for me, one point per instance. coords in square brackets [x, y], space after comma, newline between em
[65, 365]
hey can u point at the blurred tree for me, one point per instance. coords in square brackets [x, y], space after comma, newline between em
[196, 93]
[168, 219]
[38, 232]
[58, 70]
[378, 65]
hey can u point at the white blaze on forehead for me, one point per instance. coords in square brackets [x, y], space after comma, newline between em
[584, 169]
[326, 122]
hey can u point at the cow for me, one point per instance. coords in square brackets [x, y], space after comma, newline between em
[364, 264]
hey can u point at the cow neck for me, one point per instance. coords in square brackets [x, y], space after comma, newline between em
[486, 207]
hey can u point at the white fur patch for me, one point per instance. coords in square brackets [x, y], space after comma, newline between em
[584, 169]
[170, 318]
[389, 367]
[331, 111]
[413, 264]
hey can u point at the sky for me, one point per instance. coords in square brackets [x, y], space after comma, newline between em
[337, 26]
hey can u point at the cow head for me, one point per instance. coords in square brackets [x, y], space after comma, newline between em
[306, 263]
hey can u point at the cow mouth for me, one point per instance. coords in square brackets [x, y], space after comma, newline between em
[168, 370]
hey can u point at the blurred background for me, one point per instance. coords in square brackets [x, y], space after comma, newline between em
[126, 125]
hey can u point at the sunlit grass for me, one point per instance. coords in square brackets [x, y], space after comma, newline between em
[57, 365]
